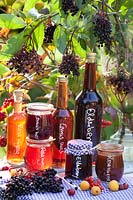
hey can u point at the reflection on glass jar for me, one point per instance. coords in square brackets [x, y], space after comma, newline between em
[39, 121]
[38, 154]
[109, 162]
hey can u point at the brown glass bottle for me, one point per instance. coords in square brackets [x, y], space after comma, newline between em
[16, 132]
[88, 106]
[62, 124]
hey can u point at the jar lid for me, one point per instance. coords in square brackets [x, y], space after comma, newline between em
[110, 147]
[31, 141]
[79, 147]
[39, 106]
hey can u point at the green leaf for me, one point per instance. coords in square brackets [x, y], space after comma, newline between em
[60, 38]
[38, 36]
[11, 21]
[78, 49]
[14, 44]
[29, 4]
[3, 69]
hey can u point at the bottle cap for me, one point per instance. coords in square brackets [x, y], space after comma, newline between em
[91, 57]
[18, 94]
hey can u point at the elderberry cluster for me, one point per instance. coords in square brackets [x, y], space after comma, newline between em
[69, 65]
[102, 29]
[121, 83]
[20, 186]
[26, 61]
[49, 32]
[69, 6]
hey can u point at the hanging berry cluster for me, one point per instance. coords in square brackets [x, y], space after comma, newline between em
[49, 32]
[26, 61]
[69, 6]
[122, 83]
[69, 64]
[102, 28]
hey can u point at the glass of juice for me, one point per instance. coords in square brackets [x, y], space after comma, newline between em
[39, 123]
[38, 154]
[109, 161]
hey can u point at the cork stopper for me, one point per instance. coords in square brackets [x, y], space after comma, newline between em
[18, 95]
[91, 57]
[62, 78]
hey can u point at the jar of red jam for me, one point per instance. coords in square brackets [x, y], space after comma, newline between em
[38, 154]
[109, 162]
[39, 123]
[78, 159]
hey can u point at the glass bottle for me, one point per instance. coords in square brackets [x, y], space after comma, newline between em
[88, 106]
[16, 132]
[109, 162]
[62, 124]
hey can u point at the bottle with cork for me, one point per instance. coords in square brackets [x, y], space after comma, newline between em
[16, 132]
[88, 106]
[62, 123]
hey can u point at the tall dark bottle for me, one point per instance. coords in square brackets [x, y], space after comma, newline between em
[62, 124]
[88, 106]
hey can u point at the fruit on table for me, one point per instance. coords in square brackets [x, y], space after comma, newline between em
[71, 192]
[84, 185]
[113, 185]
[123, 186]
[95, 190]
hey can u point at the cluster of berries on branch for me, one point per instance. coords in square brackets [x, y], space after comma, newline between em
[26, 60]
[49, 32]
[69, 64]
[102, 28]
[69, 6]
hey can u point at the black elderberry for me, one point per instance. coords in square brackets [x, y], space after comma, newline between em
[69, 6]
[102, 29]
[26, 61]
[69, 65]
[49, 33]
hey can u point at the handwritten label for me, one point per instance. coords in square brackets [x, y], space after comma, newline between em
[78, 165]
[62, 130]
[90, 117]
[109, 164]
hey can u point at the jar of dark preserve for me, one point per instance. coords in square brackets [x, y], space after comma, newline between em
[109, 162]
[78, 159]
[39, 123]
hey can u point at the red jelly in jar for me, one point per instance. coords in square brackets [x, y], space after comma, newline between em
[109, 162]
[38, 154]
[78, 159]
[39, 123]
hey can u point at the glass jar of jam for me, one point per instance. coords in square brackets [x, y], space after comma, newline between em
[109, 162]
[39, 123]
[38, 154]
[78, 159]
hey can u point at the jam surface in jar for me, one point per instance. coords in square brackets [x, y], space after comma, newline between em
[109, 162]
[39, 124]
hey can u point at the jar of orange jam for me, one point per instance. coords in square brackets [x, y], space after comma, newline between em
[38, 154]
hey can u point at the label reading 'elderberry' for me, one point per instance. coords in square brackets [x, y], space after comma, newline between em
[77, 166]
[90, 119]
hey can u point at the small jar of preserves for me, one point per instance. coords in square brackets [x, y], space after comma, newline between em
[109, 162]
[39, 123]
[38, 154]
[78, 159]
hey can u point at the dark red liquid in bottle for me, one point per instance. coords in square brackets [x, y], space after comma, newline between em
[88, 108]
[109, 163]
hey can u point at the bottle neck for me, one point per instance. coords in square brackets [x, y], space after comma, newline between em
[90, 77]
[17, 107]
[62, 98]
